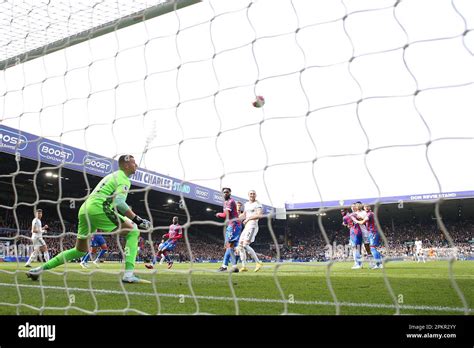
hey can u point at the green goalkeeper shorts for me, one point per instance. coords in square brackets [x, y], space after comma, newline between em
[106, 221]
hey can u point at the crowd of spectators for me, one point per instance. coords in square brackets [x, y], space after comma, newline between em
[24, 224]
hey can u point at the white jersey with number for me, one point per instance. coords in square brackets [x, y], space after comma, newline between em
[418, 245]
[251, 227]
[37, 233]
[250, 210]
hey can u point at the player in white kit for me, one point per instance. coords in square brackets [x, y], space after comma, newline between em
[39, 245]
[253, 211]
[419, 251]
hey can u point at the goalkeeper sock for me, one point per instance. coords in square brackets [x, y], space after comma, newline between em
[154, 260]
[62, 257]
[101, 253]
[86, 258]
[131, 249]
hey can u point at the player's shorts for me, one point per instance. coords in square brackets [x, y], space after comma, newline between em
[97, 241]
[106, 220]
[38, 242]
[355, 239]
[248, 233]
[374, 239]
[365, 237]
[168, 245]
[232, 233]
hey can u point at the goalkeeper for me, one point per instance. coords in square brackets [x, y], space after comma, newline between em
[106, 209]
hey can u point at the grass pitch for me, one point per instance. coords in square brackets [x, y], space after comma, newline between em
[417, 288]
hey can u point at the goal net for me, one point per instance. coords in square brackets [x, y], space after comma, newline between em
[364, 101]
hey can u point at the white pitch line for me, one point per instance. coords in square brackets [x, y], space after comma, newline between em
[249, 299]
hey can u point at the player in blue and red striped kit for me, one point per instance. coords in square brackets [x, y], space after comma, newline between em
[97, 241]
[355, 235]
[232, 233]
[175, 233]
[374, 236]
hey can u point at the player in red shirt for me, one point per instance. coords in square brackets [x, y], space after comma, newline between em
[175, 233]
[232, 233]
[355, 234]
[374, 236]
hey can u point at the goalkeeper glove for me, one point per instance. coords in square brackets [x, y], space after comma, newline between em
[142, 223]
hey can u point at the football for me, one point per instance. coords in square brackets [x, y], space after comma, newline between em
[259, 102]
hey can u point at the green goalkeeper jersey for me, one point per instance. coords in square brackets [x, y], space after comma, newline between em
[103, 198]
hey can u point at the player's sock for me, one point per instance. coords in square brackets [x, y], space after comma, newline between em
[63, 257]
[354, 254]
[358, 258]
[101, 253]
[252, 253]
[243, 256]
[132, 246]
[86, 258]
[376, 255]
[46, 256]
[167, 258]
[154, 260]
[31, 258]
[228, 251]
[233, 260]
